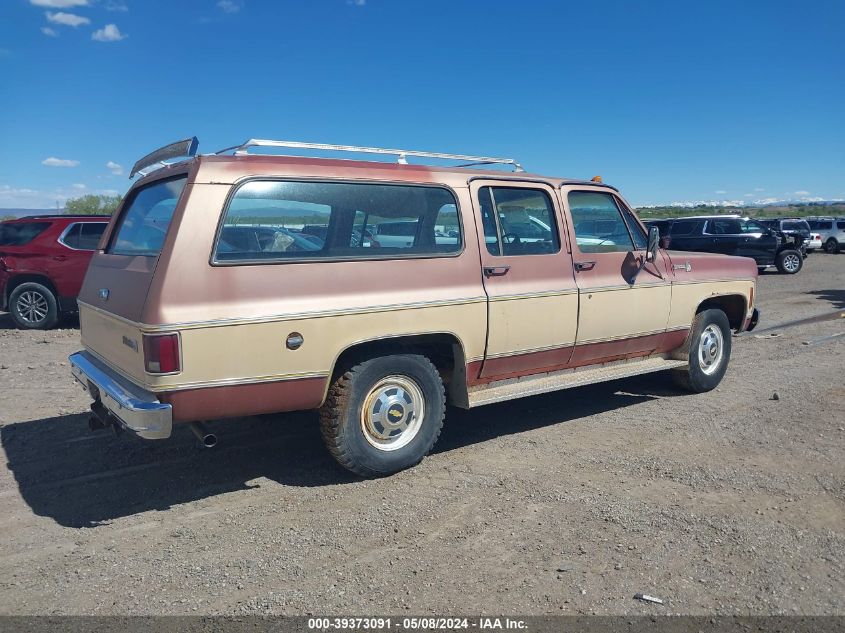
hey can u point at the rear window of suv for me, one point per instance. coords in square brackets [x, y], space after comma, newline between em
[144, 220]
[274, 220]
[20, 233]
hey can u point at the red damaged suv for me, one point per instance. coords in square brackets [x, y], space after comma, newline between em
[43, 260]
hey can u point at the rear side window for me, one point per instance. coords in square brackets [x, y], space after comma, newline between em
[21, 233]
[820, 225]
[144, 220]
[795, 225]
[599, 227]
[84, 236]
[284, 220]
[840, 225]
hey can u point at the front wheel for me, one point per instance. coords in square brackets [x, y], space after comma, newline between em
[384, 415]
[33, 307]
[709, 350]
[831, 246]
[789, 262]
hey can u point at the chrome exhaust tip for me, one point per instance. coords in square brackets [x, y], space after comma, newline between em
[209, 440]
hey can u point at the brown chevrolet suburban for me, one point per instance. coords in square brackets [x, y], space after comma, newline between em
[243, 283]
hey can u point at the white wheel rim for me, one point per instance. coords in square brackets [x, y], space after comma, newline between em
[392, 413]
[711, 348]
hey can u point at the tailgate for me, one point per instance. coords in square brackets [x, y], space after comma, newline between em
[114, 340]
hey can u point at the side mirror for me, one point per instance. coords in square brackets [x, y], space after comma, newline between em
[653, 243]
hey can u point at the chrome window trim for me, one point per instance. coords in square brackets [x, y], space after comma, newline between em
[69, 228]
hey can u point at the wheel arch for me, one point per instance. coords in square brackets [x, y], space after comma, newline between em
[444, 349]
[735, 307]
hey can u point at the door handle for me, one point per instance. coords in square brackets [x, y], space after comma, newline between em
[581, 266]
[496, 271]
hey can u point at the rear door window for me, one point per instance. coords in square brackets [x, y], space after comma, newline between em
[840, 225]
[21, 233]
[723, 226]
[683, 227]
[518, 221]
[144, 222]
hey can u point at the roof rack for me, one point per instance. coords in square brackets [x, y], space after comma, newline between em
[401, 154]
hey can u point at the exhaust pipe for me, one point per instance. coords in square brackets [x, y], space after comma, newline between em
[209, 440]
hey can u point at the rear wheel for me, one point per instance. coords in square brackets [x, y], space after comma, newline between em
[789, 262]
[33, 307]
[831, 246]
[384, 415]
[708, 354]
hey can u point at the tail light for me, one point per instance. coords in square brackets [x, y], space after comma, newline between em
[162, 354]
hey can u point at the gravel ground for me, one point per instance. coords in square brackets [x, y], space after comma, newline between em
[730, 502]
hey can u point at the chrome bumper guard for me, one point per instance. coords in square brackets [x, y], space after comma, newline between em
[135, 409]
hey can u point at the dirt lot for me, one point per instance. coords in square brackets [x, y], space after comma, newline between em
[728, 502]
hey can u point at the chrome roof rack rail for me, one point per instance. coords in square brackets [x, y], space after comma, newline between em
[401, 154]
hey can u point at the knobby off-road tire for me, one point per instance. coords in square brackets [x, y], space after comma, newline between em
[33, 307]
[789, 262]
[384, 414]
[708, 354]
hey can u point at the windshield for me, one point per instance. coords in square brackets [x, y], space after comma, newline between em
[20, 233]
[143, 224]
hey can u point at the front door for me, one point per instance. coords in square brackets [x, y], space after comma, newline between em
[622, 312]
[528, 278]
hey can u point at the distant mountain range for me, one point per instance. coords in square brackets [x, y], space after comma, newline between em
[762, 202]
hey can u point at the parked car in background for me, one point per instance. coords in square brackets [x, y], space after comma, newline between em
[815, 242]
[831, 232]
[43, 260]
[544, 284]
[795, 227]
[734, 235]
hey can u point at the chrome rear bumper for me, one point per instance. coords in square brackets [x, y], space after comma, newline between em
[135, 409]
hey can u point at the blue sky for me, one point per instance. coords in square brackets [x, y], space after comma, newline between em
[670, 101]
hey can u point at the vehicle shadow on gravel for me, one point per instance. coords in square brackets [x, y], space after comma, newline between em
[835, 296]
[82, 479]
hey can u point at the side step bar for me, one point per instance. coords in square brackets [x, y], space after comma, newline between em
[567, 379]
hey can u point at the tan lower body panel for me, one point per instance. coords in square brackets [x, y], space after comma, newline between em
[555, 381]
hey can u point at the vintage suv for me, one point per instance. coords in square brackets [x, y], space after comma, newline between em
[243, 283]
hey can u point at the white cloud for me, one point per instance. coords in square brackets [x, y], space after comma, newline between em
[46, 30]
[109, 33]
[230, 6]
[115, 5]
[116, 169]
[356, 3]
[749, 195]
[59, 4]
[720, 192]
[59, 162]
[802, 193]
[79, 186]
[759, 189]
[67, 19]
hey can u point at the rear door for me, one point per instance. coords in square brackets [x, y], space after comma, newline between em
[115, 289]
[528, 278]
[621, 312]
